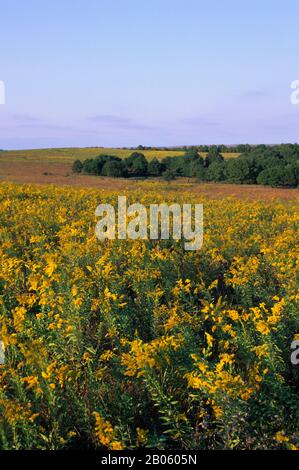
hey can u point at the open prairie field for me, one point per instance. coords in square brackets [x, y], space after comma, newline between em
[149, 249]
[125, 344]
[53, 166]
[68, 155]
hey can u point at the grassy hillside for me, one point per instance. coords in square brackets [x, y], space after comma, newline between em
[68, 155]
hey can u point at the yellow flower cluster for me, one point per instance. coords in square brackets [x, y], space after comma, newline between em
[146, 355]
[177, 349]
[105, 433]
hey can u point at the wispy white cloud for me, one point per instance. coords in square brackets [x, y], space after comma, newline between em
[255, 94]
[26, 117]
[200, 121]
[45, 126]
[119, 122]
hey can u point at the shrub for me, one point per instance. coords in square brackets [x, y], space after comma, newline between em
[95, 165]
[114, 168]
[77, 166]
[214, 156]
[279, 176]
[155, 168]
[216, 171]
[242, 170]
[169, 175]
[136, 164]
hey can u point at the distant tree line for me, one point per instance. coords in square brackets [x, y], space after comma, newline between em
[267, 165]
[240, 148]
[135, 165]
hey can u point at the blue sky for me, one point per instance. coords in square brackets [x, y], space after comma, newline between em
[164, 72]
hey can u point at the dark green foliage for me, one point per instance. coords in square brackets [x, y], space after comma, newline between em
[280, 176]
[114, 168]
[155, 168]
[77, 166]
[169, 175]
[192, 154]
[216, 171]
[271, 165]
[270, 176]
[136, 164]
[197, 169]
[214, 156]
[95, 166]
[185, 165]
[289, 152]
[242, 170]
[89, 166]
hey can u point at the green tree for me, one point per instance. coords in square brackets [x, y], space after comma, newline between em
[77, 166]
[214, 155]
[114, 168]
[280, 176]
[136, 164]
[155, 168]
[169, 175]
[216, 171]
[195, 168]
[242, 170]
[89, 166]
[95, 165]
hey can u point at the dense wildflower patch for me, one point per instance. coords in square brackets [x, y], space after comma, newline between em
[124, 344]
